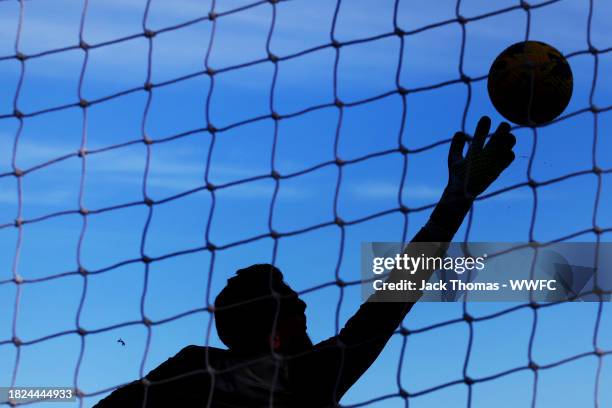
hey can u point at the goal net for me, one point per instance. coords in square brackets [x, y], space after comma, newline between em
[150, 148]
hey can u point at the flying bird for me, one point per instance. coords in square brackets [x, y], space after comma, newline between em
[121, 342]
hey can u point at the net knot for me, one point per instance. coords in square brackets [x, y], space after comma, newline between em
[404, 331]
[468, 380]
[18, 114]
[465, 79]
[83, 271]
[17, 341]
[275, 175]
[403, 149]
[211, 247]
[21, 56]
[82, 152]
[83, 103]
[533, 366]
[525, 5]
[147, 140]
[339, 162]
[593, 50]
[399, 32]
[18, 279]
[340, 283]
[81, 331]
[149, 33]
[599, 352]
[212, 16]
[533, 244]
[145, 381]
[83, 211]
[210, 71]
[210, 186]
[532, 183]
[468, 317]
[594, 108]
[336, 44]
[275, 115]
[403, 393]
[146, 260]
[83, 45]
[17, 172]
[148, 86]
[273, 58]
[149, 201]
[534, 305]
[274, 234]
[402, 91]
[211, 128]
[339, 222]
[18, 222]
[461, 19]
[597, 230]
[404, 209]
[146, 321]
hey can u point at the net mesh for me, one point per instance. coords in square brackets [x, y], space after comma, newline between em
[83, 154]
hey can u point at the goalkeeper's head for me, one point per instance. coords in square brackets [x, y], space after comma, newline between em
[257, 312]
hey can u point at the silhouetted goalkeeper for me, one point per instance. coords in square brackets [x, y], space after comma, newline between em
[271, 361]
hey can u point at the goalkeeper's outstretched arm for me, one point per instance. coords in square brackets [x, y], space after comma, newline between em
[362, 339]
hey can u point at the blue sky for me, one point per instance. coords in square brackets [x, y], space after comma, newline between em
[179, 284]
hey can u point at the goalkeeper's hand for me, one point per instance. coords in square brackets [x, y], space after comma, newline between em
[472, 174]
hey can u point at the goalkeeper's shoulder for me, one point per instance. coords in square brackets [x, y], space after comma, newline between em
[191, 359]
[180, 375]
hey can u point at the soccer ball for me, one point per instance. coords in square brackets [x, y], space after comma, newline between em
[530, 83]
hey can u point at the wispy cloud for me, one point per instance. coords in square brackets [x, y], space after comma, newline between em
[375, 190]
[172, 170]
[43, 197]
[264, 191]
[422, 192]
